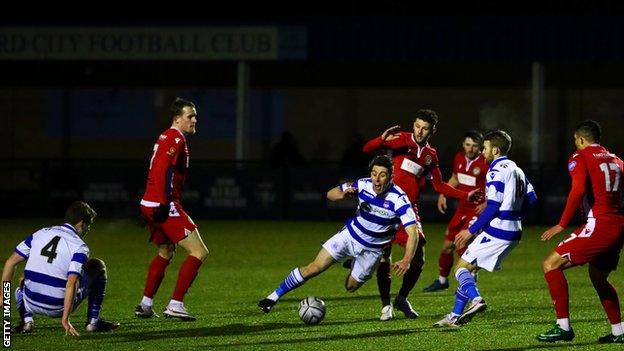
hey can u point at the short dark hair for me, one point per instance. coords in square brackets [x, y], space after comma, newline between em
[80, 211]
[428, 116]
[500, 139]
[589, 129]
[476, 136]
[178, 105]
[382, 161]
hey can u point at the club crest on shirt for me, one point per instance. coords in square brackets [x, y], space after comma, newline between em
[476, 171]
[571, 166]
[386, 204]
[172, 151]
[428, 160]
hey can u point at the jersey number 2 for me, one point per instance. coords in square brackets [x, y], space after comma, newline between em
[604, 167]
[49, 250]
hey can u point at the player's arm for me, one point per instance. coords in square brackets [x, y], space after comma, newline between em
[342, 191]
[9, 266]
[390, 138]
[68, 303]
[579, 177]
[448, 190]
[454, 182]
[162, 167]
[413, 228]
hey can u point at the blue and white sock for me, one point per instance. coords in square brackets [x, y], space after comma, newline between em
[291, 282]
[467, 283]
[461, 299]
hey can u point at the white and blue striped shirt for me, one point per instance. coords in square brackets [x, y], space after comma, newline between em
[507, 191]
[52, 254]
[377, 216]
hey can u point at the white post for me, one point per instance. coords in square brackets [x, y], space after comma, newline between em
[242, 98]
[537, 109]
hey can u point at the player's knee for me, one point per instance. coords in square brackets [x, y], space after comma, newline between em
[95, 268]
[549, 265]
[351, 285]
[166, 251]
[200, 253]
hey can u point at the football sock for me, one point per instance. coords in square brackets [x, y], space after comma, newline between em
[187, 275]
[97, 290]
[461, 299]
[445, 263]
[175, 304]
[564, 323]
[155, 275]
[616, 329]
[413, 273]
[384, 281]
[558, 288]
[146, 301]
[610, 302]
[292, 281]
[467, 283]
[442, 279]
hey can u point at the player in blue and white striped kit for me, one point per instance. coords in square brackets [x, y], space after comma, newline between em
[497, 230]
[59, 274]
[382, 206]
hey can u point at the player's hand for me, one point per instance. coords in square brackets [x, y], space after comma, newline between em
[349, 192]
[480, 208]
[475, 196]
[69, 328]
[401, 267]
[391, 133]
[442, 203]
[161, 213]
[462, 238]
[554, 230]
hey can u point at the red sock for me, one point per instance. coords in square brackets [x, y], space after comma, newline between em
[610, 302]
[558, 287]
[461, 251]
[445, 263]
[187, 274]
[155, 275]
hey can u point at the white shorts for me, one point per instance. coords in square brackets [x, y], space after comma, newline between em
[365, 259]
[488, 252]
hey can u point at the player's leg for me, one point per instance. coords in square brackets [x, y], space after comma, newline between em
[553, 266]
[197, 253]
[445, 260]
[298, 277]
[155, 276]
[93, 285]
[608, 298]
[365, 262]
[27, 322]
[384, 282]
[409, 280]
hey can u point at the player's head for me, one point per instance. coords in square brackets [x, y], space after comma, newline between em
[496, 143]
[183, 115]
[425, 124]
[586, 133]
[380, 169]
[472, 143]
[81, 216]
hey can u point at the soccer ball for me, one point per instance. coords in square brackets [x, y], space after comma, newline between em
[311, 310]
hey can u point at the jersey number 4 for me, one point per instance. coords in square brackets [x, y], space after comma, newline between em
[605, 167]
[49, 250]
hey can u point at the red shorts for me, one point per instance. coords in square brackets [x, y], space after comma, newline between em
[177, 226]
[598, 242]
[461, 220]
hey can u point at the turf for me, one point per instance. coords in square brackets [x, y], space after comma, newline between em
[249, 259]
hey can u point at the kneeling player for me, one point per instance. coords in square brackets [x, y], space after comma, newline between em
[381, 205]
[58, 274]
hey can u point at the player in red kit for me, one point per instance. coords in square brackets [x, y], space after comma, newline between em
[469, 169]
[167, 221]
[597, 189]
[415, 161]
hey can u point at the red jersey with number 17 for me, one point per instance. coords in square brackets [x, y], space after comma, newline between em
[596, 173]
[167, 170]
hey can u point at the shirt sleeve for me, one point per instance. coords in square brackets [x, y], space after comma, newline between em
[23, 248]
[78, 259]
[405, 211]
[165, 156]
[495, 187]
[578, 172]
[443, 187]
[344, 186]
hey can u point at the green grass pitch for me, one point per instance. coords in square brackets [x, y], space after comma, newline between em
[249, 259]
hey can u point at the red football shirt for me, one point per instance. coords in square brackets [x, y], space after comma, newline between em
[413, 165]
[596, 184]
[470, 175]
[168, 169]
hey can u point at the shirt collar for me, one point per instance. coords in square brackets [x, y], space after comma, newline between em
[497, 161]
[70, 227]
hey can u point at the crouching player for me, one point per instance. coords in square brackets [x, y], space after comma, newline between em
[381, 206]
[59, 275]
